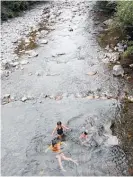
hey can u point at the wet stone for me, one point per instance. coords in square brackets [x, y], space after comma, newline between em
[24, 99]
[5, 99]
[43, 41]
[70, 29]
[131, 65]
[32, 53]
[118, 70]
[5, 73]
[24, 62]
[14, 64]
[38, 73]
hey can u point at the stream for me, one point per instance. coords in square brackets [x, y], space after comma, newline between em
[65, 81]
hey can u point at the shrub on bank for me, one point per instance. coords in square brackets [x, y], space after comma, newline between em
[122, 20]
[106, 6]
[124, 13]
[11, 9]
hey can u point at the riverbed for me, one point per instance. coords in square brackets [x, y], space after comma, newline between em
[66, 80]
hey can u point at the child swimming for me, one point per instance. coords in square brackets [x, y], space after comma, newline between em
[59, 128]
[84, 136]
[56, 147]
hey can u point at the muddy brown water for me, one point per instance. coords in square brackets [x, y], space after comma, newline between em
[27, 126]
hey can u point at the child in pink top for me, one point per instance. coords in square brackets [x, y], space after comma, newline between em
[84, 136]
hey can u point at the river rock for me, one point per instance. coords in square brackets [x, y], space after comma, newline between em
[120, 47]
[38, 73]
[107, 47]
[112, 140]
[108, 22]
[130, 98]
[74, 9]
[24, 99]
[14, 41]
[113, 57]
[44, 32]
[60, 53]
[5, 73]
[43, 41]
[70, 29]
[7, 95]
[131, 65]
[118, 70]
[5, 64]
[91, 73]
[24, 62]
[14, 64]
[31, 53]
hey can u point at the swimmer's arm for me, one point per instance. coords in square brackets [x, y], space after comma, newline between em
[65, 127]
[64, 143]
[54, 131]
[47, 149]
[81, 136]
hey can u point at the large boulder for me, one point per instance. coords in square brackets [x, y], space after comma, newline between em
[118, 70]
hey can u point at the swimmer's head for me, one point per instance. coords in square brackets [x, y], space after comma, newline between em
[55, 141]
[86, 132]
[59, 123]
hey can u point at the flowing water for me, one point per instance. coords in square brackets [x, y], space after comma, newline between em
[74, 87]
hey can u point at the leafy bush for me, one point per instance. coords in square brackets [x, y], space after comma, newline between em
[124, 13]
[128, 52]
[11, 9]
[106, 6]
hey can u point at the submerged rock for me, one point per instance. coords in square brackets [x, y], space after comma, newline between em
[38, 73]
[14, 64]
[118, 70]
[5, 73]
[32, 53]
[7, 95]
[24, 62]
[24, 99]
[5, 64]
[92, 73]
[43, 41]
[70, 29]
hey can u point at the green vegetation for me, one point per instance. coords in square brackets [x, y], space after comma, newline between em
[107, 7]
[124, 19]
[11, 9]
[122, 14]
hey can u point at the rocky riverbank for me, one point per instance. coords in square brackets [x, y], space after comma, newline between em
[114, 44]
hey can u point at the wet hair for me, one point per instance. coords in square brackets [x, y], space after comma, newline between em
[59, 123]
[85, 133]
[54, 142]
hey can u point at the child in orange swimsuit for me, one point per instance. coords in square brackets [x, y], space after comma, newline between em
[56, 147]
[59, 128]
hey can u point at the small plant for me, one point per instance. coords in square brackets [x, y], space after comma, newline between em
[128, 52]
